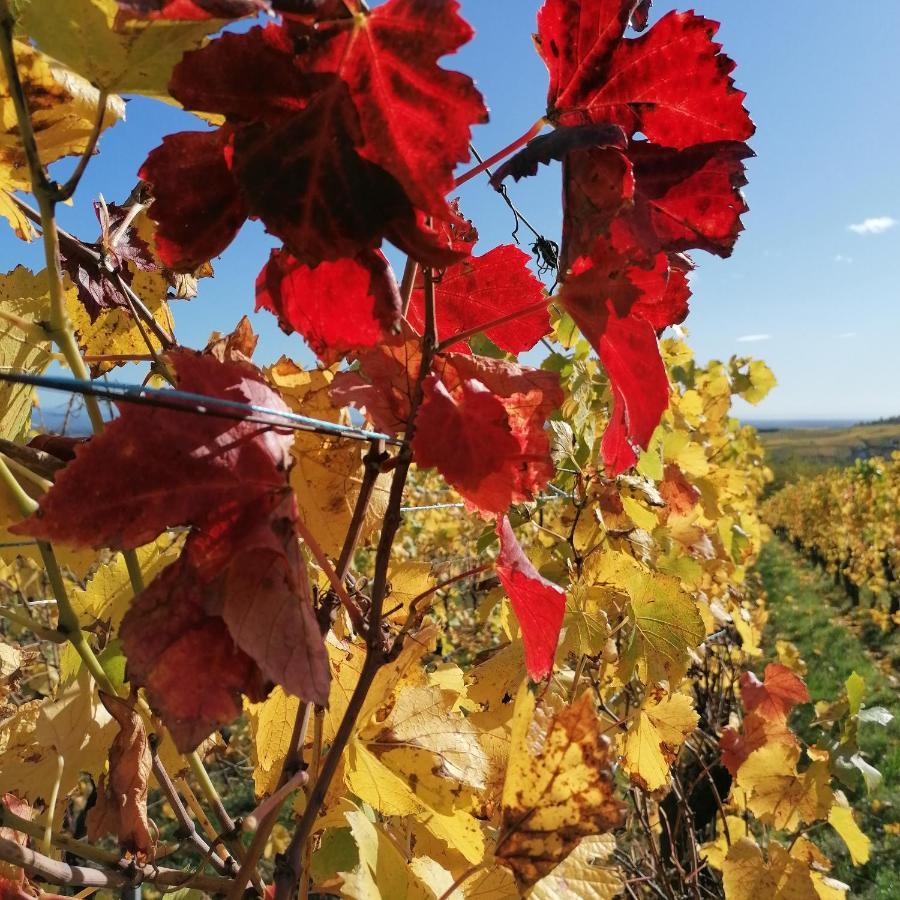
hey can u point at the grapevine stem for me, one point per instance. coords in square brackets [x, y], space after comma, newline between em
[65, 191]
[532, 132]
[289, 867]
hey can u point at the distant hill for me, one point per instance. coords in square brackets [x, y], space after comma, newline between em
[795, 452]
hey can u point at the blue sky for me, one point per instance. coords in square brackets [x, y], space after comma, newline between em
[816, 299]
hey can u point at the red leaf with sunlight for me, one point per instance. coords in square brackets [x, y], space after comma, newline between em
[415, 117]
[121, 807]
[678, 493]
[326, 129]
[529, 397]
[186, 659]
[466, 435]
[151, 469]
[197, 205]
[672, 83]
[755, 733]
[337, 307]
[688, 199]
[618, 305]
[248, 77]
[482, 289]
[775, 696]
[384, 382]
[539, 604]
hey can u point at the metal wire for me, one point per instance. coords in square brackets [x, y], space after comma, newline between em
[198, 404]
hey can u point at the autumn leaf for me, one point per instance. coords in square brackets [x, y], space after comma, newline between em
[123, 56]
[672, 83]
[481, 289]
[748, 876]
[666, 625]
[655, 736]
[558, 789]
[775, 696]
[539, 604]
[336, 307]
[359, 167]
[781, 796]
[121, 807]
[63, 112]
[327, 473]
[841, 819]
[152, 469]
[585, 873]
[22, 347]
[756, 732]
[73, 727]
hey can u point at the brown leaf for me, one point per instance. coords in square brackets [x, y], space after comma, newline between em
[121, 807]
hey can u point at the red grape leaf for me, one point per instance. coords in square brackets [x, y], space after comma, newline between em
[539, 604]
[482, 289]
[615, 447]
[151, 468]
[529, 396]
[611, 299]
[688, 199]
[466, 435]
[192, 10]
[756, 732]
[185, 658]
[248, 77]
[384, 382]
[337, 307]
[415, 116]
[92, 277]
[597, 185]
[672, 83]
[774, 697]
[121, 807]
[197, 203]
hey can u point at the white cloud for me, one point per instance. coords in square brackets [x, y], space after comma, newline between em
[840, 258]
[846, 335]
[753, 338]
[875, 225]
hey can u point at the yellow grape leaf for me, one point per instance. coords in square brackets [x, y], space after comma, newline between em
[104, 599]
[327, 472]
[841, 820]
[492, 884]
[407, 581]
[747, 876]
[114, 332]
[558, 789]
[494, 683]
[346, 659]
[437, 750]
[779, 795]
[126, 56]
[25, 296]
[655, 736]
[382, 871]
[754, 384]
[584, 873]
[271, 725]
[667, 624]
[75, 727]
[380, 786]
[63, 109]
[716, 851]
[789, 656]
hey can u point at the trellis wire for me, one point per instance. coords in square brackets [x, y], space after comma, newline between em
[198, 404]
